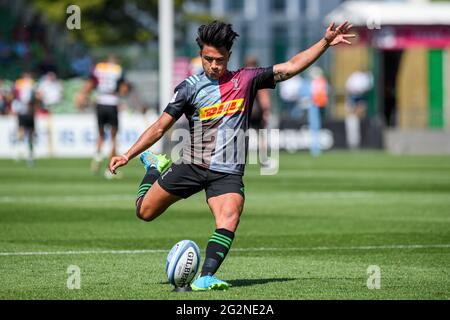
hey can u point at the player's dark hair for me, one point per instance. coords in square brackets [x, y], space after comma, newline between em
[217, 34]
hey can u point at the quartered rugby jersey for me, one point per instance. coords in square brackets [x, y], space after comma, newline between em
[107, 77]
[218, 112]
[24, 90]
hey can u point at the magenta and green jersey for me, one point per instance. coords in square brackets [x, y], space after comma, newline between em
[219, 112]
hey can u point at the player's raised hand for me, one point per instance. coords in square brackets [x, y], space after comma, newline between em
[117, 162]
[339, 35]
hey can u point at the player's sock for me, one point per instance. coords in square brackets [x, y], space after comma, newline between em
[216, 251]
[150, 178]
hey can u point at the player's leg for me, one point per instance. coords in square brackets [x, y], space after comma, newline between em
[163, 186]
[30, 132]
[111, 117]
[154, 202]
[113, 120]
[98, 158]
[227, 210]
[113, 142]
[226, 201]
[19, 152]
[101, 122]
[113, 152]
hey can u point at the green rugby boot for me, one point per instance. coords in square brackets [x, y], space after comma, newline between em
[209, 283]
[151, 160]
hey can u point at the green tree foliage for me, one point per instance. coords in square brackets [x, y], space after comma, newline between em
[109, 22]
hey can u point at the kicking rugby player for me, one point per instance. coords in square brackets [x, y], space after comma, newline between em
[215, 102]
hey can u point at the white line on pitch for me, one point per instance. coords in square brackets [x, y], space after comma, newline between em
[52, 199]
[55, 253]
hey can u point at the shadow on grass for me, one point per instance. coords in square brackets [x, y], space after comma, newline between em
[253, 282]
[248, 282]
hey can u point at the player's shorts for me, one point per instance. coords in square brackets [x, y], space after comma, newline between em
[184, 180]
[107, 115]
[26, 121]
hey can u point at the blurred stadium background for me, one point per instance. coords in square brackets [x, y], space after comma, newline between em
[402, 45]
[387, 202]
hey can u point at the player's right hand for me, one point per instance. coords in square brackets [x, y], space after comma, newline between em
[117, 162]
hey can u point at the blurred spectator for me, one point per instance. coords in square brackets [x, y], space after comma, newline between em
[50, 90]
[313, 96]
[319, 88]
[289, 95]
[5, 97]
[358, 86]
[317, 107]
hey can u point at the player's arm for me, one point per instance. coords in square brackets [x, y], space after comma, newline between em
[171, 114]
[82, 97]
[145, 141]
[304, 59]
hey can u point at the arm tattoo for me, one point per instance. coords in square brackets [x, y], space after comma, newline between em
[281, 76]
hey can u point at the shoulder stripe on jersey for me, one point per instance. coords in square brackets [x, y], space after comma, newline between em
[189, 81]
[192, 78]
[197, 77]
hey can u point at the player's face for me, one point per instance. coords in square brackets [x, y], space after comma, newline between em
[215, 61]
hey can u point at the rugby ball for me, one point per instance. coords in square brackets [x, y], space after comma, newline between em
[182, 263]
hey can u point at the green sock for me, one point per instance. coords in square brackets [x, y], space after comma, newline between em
[218, 246]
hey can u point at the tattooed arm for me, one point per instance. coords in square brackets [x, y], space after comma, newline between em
[304, 59]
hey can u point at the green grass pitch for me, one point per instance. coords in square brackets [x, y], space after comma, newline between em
[309, 232]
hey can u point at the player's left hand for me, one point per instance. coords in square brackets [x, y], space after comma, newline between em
[338, 35]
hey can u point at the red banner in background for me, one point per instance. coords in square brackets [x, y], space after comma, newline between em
[181, 70]
[402, 37]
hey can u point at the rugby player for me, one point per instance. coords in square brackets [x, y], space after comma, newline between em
[24, 106]
[215, 102]
[108, 80]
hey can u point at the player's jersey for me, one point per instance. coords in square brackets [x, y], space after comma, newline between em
[218, 112]
[23, 95]
[107, 77]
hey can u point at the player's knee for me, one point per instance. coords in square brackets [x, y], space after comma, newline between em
[145, 213]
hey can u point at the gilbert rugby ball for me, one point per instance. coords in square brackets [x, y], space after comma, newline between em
[182, 263]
